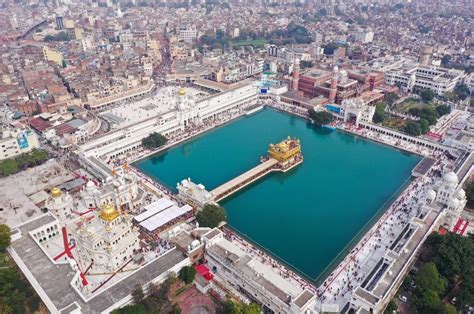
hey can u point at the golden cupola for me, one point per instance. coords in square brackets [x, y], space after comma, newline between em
[56, 192]
[181, 92]
[109, 212]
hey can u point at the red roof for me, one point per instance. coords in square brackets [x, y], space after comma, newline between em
[39, 124]
[64, 128]
[204, 271]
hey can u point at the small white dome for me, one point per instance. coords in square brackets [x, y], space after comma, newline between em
[431, 194]
[450, 178]
[90, 184]
[453, 202]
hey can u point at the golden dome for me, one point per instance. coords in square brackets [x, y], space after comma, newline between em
[55, 192]
[109, 212]
[182, 92]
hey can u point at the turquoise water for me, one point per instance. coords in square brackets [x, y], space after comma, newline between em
[305, 217]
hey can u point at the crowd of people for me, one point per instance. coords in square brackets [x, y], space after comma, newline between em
[266, 259]
[359, 263]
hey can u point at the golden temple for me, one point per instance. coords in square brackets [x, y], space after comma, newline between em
[285, 150]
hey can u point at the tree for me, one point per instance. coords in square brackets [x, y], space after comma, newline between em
[462, 91]
[428, 302]
[413, 128]
[187, 274]
[329, 48]
[320, 118]
[424, 126]
[428, 278]
[443, 109]
[5, 237]
[391, 98]
[427, 95]
[138, 294]
[306, 64]
[451, 96]
[446, 308]
[8, 167]
[380, 115]
[469, 187]
[230, 307]
[154, 140]
[211, 216]
[391, 307]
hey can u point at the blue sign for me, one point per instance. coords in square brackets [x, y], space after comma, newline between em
[263, 91]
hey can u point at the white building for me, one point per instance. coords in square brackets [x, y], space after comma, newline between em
[187, 33]
[187, 111]
[121, 190]
[417, 78]
[246, 273]
[14, 142]
[194, 194]
[107, 241]
[364, 36]
[451, 196]
[355, 108]
[60, 204]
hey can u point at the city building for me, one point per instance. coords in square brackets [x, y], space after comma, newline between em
[16, 141]
[246, 273]
[107, 241]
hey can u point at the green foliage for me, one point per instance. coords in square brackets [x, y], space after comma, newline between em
[430, 286]
[329, 48]
[427, 95]
[392, 306]
[380, 115]
[138, 294]
[462, 91]
[442, 110]
[413, 128]
[424, 126]
[306, 64]
[16, 295]
[211, 216]
[154, 140]
[391, 98]
[155, 302]
[8, 167]
[187, 274]
[320, 118]
[61, 36]
[428, 278]
[454, 257]
[131, 309]
[5, 237]
[23, 161]
[427, 113]
[230, 307]
[293, 34]
[445, 308]
[469, 188]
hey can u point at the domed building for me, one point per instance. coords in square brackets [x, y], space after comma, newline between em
[451, 195]
[121, 189]
[107, 241]
[60, 204]
[188, 112]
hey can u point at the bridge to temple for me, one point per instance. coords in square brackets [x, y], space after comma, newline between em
[244, 179]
